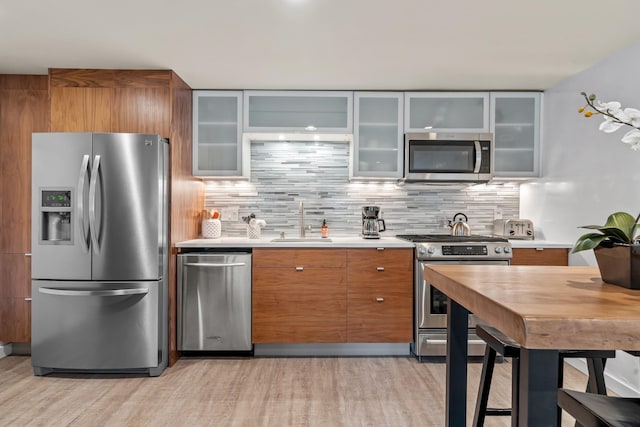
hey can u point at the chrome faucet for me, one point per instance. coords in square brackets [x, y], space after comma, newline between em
[301, 210]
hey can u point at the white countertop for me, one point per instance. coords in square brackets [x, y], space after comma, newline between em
[266, 242]
[539, 244]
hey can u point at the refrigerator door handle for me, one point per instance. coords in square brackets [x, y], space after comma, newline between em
[94, 293]
[92, 205]
[84, 171]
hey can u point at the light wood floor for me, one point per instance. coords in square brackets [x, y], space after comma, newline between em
[248, 392]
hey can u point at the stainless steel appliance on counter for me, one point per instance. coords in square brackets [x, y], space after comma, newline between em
[448, 157]
[214, 301]
[99, 253]
[514, 229]
[430, 314]
[371, 224]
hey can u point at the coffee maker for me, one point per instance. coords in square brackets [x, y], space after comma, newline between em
[371, 224]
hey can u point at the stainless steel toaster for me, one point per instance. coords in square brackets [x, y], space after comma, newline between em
[513, 228]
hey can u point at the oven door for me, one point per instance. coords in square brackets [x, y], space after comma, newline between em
[448, 157]
[431, 310]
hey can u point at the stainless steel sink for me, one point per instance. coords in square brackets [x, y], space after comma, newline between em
[302, 240]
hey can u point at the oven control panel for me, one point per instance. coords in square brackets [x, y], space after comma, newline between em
[488, 251]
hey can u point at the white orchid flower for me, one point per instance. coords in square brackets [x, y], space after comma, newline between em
[633, 116]
[609, 125]
[633, 139]
[610, 107]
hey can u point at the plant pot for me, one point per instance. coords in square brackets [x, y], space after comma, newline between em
[619, 265]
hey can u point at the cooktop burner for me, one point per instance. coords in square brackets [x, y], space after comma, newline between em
[446, 238]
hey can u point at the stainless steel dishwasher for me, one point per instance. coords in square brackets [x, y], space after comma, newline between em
[214, 301]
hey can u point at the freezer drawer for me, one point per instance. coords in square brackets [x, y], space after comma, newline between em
[95, 325]
[214, 302]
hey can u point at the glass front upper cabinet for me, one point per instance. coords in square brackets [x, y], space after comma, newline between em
[378, 135]
[515, 124]
[217, 133]
[298, 111]
[446, 112]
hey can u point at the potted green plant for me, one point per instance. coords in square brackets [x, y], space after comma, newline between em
[615, 244]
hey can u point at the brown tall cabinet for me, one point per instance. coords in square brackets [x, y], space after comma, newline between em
[80, 100]
[24, 108]
[142, 101]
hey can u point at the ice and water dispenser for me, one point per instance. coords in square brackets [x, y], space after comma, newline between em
[56, 216]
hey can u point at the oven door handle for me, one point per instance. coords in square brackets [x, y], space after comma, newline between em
[476, 169]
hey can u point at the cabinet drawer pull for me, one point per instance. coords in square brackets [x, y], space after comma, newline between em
[539, 249]
[380, 268]
[380, 249]
[379, 299]
[299, 268]
[28, 299]
[27, 254]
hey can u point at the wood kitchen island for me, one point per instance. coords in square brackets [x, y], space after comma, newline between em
[544, 309]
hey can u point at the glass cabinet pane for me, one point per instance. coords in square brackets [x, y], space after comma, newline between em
[515, 125]
[217, 137]
[269, 111]
[451, 112]
[378, 135]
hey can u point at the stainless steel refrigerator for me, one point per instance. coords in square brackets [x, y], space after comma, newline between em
[99, 243]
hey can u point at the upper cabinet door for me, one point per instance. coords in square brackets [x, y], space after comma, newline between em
[217, 133]
[378, 135]
[298, 111]
[515, 124]
[446, 112]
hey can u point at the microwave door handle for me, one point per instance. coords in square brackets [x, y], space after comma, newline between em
[476, 169]
[84, 172]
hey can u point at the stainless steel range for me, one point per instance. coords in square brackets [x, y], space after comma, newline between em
[430, 315]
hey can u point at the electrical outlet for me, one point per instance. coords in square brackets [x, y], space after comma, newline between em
[230, 213]
[497, 213]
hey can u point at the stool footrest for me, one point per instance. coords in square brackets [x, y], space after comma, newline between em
[498, 412]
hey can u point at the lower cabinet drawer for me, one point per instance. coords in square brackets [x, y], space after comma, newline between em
[379, 317]
[540, 256]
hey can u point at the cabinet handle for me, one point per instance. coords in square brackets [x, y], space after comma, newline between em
[380, 268]
[299, 268]
[28, 299]
[539, 249]
[380, 249]
[27, 254]
[380, 299]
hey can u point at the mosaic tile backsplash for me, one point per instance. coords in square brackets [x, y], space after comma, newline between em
[317, 173]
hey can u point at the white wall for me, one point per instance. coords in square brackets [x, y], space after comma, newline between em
[588, 174]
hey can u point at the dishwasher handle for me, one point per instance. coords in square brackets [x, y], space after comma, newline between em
[94, 293]
[213, 264]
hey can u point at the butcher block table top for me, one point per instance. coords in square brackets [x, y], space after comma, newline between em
[545, 309]
[545, 306]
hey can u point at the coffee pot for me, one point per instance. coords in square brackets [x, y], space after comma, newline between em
[371, 224]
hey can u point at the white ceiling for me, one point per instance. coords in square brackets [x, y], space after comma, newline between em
[322, 44]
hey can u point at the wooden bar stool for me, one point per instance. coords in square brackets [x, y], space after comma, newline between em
[597, 410]
[499, 343]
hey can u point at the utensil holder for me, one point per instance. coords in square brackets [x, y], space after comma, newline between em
[211, 228]
[254, 232]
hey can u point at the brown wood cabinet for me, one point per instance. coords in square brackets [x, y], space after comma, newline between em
[24, 108]
[332, 295]
[138, 101]
[540, 256]
[299, 296]
[380, 295]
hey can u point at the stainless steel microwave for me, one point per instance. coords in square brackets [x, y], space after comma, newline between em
[452, 157]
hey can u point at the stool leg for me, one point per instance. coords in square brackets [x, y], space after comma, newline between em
[488, 364]
[515, 390]
[596, 375]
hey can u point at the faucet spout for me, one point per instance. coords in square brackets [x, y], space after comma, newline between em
[301, 210]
